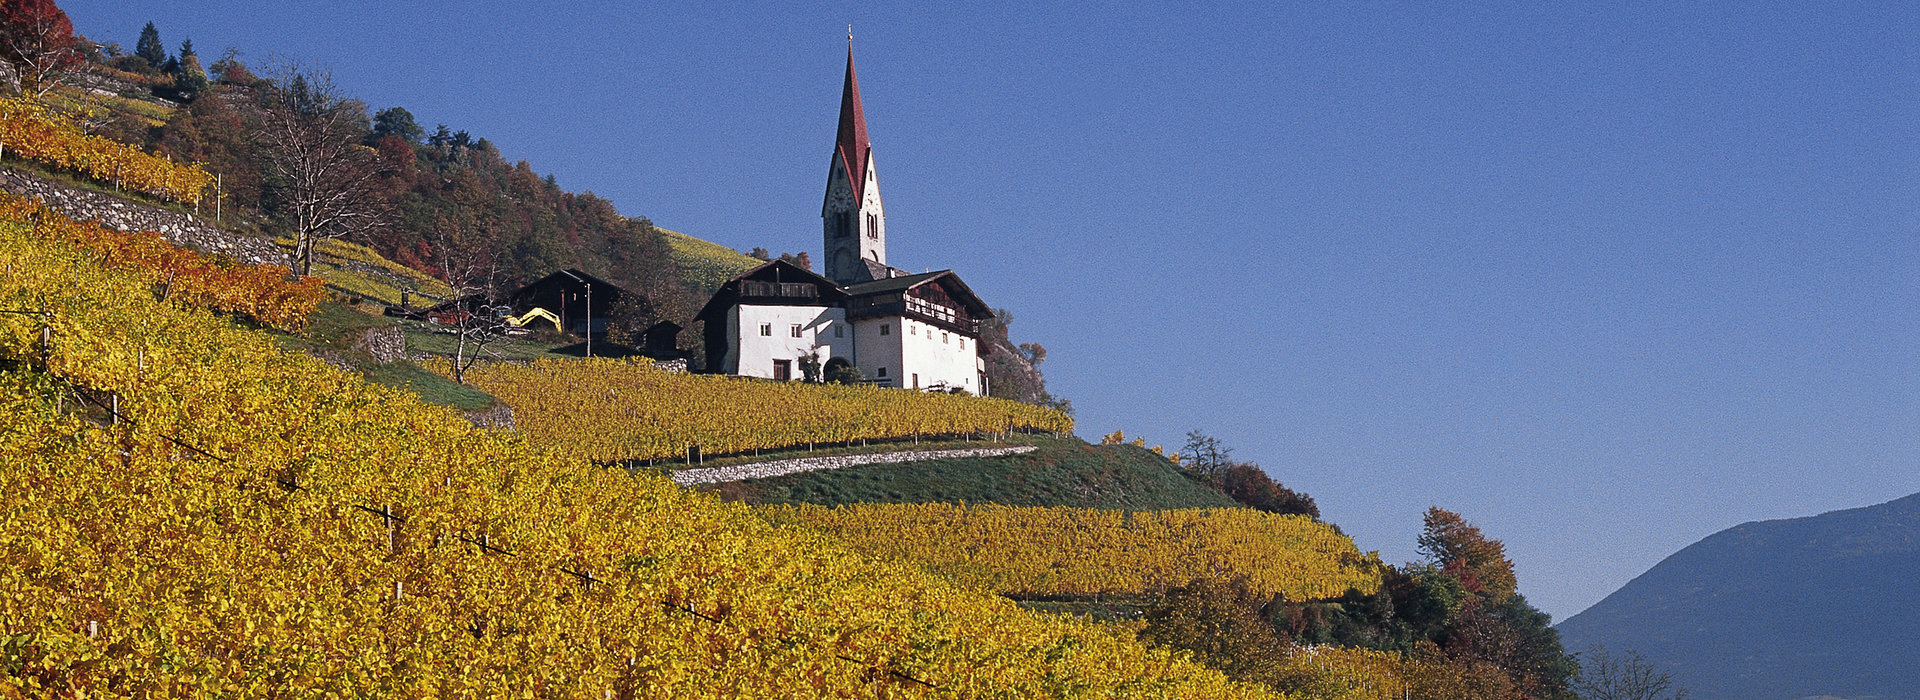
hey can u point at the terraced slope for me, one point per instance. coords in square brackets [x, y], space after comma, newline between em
[193, 511]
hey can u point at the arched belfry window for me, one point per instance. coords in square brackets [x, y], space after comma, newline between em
[843, 224]
[873, 225]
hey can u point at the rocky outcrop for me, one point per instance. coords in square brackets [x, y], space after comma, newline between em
[498, 417]
[183, 230]
[383, 344]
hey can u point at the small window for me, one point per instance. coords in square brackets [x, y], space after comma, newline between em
[873, 226]
[796, 330]
[963, 343]
[883, 373]
[916, 380]
[886, 329]
[943, 338]
[839, 331]
[766, 329]
[913, 329]
[783, 370]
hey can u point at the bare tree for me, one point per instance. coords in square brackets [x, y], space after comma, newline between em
[1628, 676]
[471, 271]
[310, 138]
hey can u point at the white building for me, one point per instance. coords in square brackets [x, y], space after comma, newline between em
[916, 331]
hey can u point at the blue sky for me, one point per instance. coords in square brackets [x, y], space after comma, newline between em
[1604, 278]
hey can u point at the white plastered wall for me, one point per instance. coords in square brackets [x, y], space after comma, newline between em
[938, 356]
[755, 354]
[876, 351]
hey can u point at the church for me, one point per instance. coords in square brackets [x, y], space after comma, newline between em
[913, 331]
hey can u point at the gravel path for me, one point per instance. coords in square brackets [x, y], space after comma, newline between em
[762, 470]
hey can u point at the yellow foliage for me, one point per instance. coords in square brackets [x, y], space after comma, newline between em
[216, 542]
[1081, 551]
[616, 410]
[269, 294]
[31, 131]
[1334, 673]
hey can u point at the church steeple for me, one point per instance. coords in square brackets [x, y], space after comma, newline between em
[854, 223]
[852, 146]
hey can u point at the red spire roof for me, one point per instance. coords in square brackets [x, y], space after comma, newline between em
[852, 147]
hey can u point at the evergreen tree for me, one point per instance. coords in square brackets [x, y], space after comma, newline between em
[189, 78]
[150, 48]
[186, 49]
[397, 121]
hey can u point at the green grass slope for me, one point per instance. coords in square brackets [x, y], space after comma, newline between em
[331, 334]
[1065, 471]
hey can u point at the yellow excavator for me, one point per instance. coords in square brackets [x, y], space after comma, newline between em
[536, 313]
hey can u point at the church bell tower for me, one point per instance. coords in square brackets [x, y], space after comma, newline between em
[855, 226]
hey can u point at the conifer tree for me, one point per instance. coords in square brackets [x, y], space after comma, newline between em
[190, 78]
[150, 48]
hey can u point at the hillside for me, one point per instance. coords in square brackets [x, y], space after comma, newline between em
[193, 511]
[1064, 472]
[1779, 609]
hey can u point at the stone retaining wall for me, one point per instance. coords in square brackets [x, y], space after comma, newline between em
[180, 229]
[762, 470]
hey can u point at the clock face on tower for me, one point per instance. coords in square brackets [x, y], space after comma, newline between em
[840, 195]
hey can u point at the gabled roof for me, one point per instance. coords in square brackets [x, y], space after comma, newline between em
[894, 284]
[729, 291]
[570, 275]
[852, 147]
[877, 270]
[945, 278]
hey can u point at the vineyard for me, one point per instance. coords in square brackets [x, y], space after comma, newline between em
[31, 131]
[263, 293]
[706, 265]
[192, 512]
[617, 410]
[1078, 551]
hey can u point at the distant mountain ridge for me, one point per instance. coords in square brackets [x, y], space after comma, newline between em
[1779, 609]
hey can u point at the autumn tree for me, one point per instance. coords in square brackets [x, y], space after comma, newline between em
[1222, 624]
[37, 42]
[628, 319]
[800, 259]
[230, 70]
[1494, 624]
[1250, 485]
[325, 182]
[1461, 549]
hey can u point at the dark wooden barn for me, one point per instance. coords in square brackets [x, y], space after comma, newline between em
[581, 300]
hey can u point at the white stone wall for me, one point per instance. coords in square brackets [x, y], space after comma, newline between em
[754, 355]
